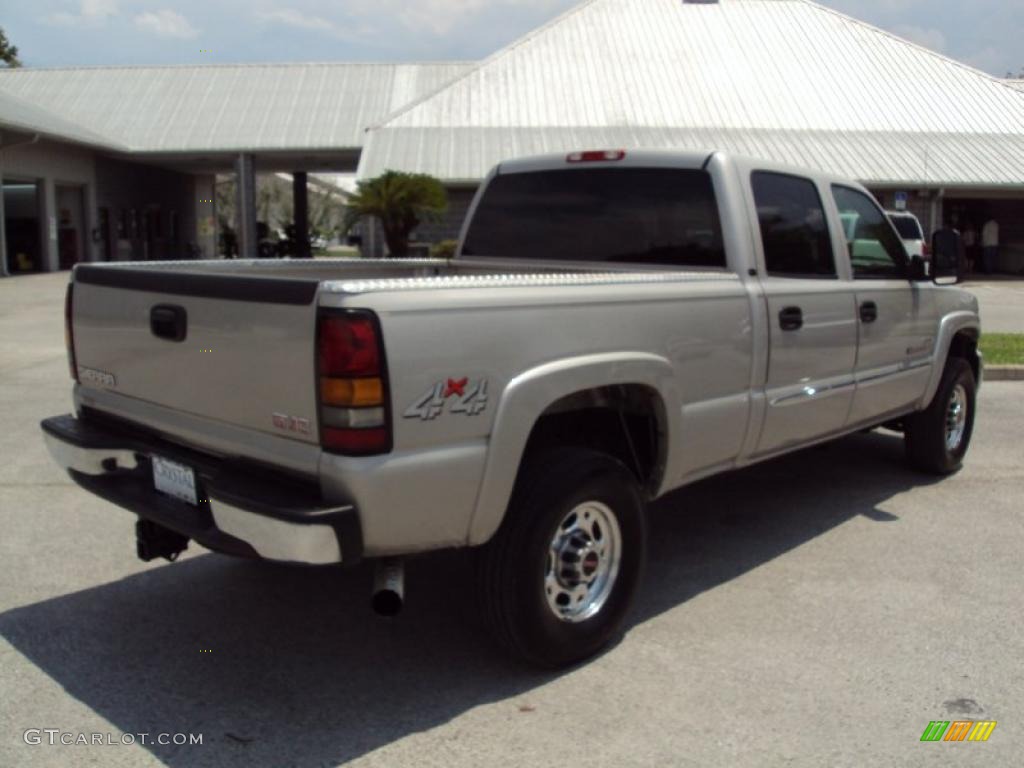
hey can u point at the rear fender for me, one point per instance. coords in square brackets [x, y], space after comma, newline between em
[531, 393]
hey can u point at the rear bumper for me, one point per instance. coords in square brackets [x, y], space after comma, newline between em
[244, 509]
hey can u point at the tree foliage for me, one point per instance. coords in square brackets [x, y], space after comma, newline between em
[401, 202]
[8, 52]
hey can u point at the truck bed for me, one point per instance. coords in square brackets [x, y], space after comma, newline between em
[246, 353]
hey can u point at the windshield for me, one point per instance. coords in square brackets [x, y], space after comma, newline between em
[658, 216]
[908, 227]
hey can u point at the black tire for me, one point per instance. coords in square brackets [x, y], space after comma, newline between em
[925, 432]
[514, 565]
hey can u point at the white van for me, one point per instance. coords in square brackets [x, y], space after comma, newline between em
[910, 230]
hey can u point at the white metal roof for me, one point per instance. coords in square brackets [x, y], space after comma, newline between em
[227, 107]
[785, 79]
[20, 115]
[1017, 83]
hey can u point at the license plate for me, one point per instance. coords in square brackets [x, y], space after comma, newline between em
[175, 480]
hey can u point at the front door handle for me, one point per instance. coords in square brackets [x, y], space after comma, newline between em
[868, 312]
[791, 319]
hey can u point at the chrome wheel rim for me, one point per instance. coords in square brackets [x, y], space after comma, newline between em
[956, 418]
[583, 562]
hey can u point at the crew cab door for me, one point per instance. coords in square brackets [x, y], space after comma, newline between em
[896, 317]
[811, 314]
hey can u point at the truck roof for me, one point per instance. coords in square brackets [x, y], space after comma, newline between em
[659, 158]
[615, 157]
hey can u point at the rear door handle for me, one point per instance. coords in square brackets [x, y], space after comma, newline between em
[868, 312]
[791, 319]
[168, 321]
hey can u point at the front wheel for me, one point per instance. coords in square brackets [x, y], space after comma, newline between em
[937, 438]
[557, 579]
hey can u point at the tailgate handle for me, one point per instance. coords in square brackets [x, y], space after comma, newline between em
[168, 321]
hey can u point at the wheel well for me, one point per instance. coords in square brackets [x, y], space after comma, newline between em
[965, 345]
[625, 421]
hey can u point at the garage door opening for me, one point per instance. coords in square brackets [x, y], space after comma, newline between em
[23, 228]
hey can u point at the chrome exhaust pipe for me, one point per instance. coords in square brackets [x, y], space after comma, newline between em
[388, 587]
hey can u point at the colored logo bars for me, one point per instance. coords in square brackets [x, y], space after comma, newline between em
[958, 730]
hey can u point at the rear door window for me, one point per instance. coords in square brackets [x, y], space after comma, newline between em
[642, 216]
[794, 230]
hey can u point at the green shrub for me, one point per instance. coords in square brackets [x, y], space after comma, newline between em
[444, 250]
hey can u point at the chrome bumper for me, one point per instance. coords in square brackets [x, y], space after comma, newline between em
[251, 512]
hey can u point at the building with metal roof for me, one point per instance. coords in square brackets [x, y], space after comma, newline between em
[787, 80]
[120, 162]
[228, 108]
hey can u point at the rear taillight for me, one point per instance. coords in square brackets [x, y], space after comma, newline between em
[596, 156]
[69, 333]
[352, 384]
[926, 250]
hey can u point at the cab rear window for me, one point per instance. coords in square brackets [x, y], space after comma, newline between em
[642, 216]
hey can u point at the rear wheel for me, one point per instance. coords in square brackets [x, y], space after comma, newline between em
[558, 578]
[937, 438]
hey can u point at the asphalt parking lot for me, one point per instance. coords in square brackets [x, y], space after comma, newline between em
[818, 610]
[1002, 305]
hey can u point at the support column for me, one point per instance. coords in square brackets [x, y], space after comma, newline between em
[3, 230]
[300, 205]
[935, 213]
[90, 222]
[245, 207]
[49, 254]
[368, 248]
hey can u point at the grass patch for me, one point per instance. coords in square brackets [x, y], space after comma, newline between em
[1003, 348]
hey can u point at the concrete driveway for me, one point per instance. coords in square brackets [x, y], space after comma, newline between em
[818, 610]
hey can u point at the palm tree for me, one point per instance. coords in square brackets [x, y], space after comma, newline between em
[401, 201]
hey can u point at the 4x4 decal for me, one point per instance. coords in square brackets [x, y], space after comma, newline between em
[455, 395]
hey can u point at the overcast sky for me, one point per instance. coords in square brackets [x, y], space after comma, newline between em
[984, 33]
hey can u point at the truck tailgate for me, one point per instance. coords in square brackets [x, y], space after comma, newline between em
[245, 356]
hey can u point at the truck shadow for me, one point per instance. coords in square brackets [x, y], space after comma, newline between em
[284, 666]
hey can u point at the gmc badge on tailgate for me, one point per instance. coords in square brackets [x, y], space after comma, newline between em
[292, 424]
[92, 376]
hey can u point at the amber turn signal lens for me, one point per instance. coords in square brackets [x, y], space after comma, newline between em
[352, 392]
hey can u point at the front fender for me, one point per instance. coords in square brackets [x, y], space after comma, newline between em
[531, 393]
[950, 326]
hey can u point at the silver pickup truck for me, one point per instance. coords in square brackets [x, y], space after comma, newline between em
[614, 326]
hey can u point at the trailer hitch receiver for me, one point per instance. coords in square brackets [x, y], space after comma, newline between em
[153, 541]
